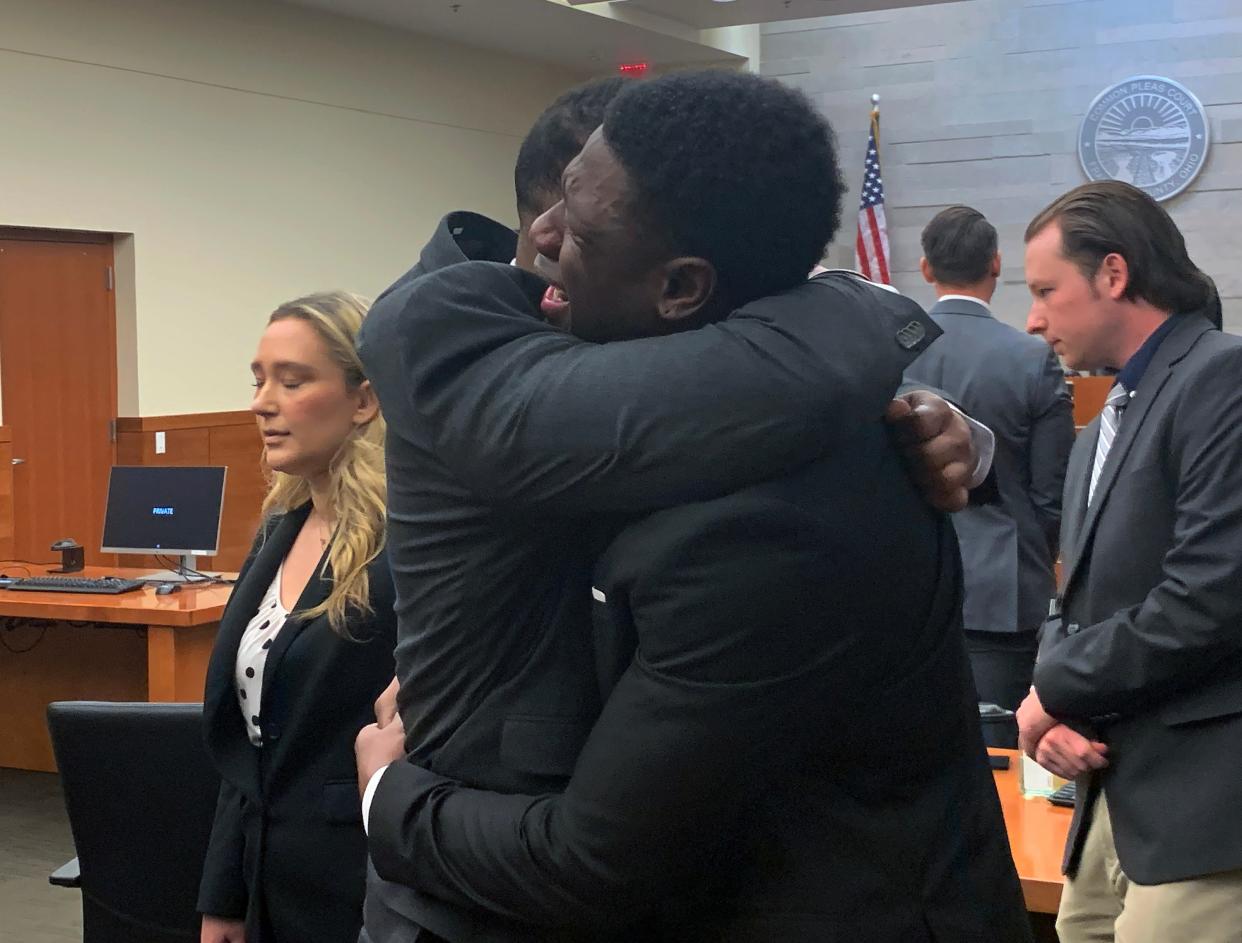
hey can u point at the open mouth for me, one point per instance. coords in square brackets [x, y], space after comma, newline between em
[555, 305]
[555, 302]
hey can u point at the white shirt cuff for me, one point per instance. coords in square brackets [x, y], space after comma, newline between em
[984, 442]
[368, 794]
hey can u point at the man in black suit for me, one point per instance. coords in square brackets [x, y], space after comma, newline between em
[1138, 687]
[508, 699]
[1014, 384]
[857, 712]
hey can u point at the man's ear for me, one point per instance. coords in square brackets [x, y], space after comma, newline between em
[925, 267]
[1113, 277]
[689, 283]
[996, 265]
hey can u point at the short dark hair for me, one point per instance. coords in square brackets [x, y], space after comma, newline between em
[1107, 216]
[734, 168]
[959, 245]
[555, 139]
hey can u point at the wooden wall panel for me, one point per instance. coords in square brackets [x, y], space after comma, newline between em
[61, 661]
[6, 494]
[240, 449]
[1089, 395]
[182, 447]
[227, 439]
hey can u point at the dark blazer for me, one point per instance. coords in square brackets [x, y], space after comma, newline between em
[787, 751]
[1012, 383]
[1148, 649]
[511, 443]
[287, 850]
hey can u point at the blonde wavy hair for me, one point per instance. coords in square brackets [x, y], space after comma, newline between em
[358, 488]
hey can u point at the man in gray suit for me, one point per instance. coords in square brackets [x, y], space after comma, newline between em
[1013, 384]
[1138, 687]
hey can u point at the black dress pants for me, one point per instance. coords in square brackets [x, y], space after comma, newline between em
[1002, 664]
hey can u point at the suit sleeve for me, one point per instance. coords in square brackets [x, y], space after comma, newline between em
[1052, 437]
[1192, 619]
[529, 416]
[1051, 633]
[222, 891]
[703, 716]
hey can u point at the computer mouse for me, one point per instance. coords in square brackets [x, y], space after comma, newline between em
[167, 589]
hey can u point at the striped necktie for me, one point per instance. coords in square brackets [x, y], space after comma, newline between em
[1110, 418]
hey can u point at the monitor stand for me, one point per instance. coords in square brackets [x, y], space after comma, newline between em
[186, 561]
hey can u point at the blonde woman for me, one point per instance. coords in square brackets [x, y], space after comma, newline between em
[304, 647]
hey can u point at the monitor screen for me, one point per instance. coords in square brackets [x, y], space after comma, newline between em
[163, 510]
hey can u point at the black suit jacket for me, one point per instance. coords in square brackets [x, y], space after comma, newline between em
[1148, 649]
[790, 748]
[510, 444]
[287, 849]
[1012, 383]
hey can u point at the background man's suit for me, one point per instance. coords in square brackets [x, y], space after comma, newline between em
[787, 752]
[1012, 383]
[1148, 649]
[510, 443]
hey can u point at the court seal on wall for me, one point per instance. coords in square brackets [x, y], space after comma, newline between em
[1147, 130]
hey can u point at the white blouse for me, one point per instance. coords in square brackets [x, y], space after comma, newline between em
[252, 656]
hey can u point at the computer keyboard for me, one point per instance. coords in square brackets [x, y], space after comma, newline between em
[76, 584]
[1065, 795]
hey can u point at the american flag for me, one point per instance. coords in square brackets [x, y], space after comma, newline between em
[871, 250]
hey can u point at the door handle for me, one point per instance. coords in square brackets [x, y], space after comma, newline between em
[19, 461]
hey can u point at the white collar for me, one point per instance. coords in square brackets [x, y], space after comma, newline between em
[978, 301]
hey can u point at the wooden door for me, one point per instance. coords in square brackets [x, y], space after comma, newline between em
[58, 388]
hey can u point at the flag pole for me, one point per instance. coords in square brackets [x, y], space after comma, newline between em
[871, 244]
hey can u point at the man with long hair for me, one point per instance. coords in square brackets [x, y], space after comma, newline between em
[1138, 687]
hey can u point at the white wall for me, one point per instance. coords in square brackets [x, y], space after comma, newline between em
[255, 152]
[981, 104]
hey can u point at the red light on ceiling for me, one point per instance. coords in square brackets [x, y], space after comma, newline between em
[633, 69]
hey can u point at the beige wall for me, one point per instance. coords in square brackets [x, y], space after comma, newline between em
[254, 152]
[981, 104]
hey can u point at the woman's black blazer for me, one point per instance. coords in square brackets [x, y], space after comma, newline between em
[287, 850]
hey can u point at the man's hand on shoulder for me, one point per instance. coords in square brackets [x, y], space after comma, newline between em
[386, 705]
[222, 930]
[937, 444]
[375, 748]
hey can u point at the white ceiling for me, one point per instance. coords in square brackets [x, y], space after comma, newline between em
[708, 14]
[531, 29]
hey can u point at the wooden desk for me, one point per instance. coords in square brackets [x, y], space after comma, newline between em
[69, 646]
[1037, 831]
[6, 492]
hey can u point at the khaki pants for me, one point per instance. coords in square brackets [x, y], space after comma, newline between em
[1102, 905]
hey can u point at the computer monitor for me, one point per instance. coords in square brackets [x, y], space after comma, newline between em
[170, 511]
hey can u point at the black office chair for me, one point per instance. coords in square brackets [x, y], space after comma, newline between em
[141, 795]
